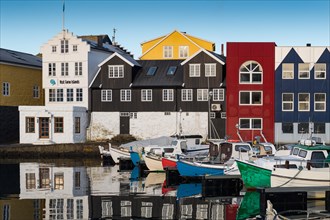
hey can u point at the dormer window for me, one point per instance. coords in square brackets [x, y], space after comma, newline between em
[64, 46]
[116, 71]
[171, 70]
[151, 71]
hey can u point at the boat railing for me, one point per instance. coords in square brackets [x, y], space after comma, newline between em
[296, 163]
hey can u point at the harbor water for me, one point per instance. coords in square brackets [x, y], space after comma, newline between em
[91, 189]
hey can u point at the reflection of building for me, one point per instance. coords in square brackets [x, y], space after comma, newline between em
[63, 188]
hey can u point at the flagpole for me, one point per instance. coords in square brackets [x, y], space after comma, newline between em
[63, 14]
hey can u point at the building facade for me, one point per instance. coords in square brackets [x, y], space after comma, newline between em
[151, 98]
[302, 91]
[250, 91]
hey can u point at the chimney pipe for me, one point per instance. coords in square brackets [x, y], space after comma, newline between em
[222, 50]
[99, 41]
[308, 44]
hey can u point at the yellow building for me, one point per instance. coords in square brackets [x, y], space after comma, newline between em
[20, 79]
[174, 46]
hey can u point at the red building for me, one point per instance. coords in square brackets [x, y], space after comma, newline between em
[250, 91]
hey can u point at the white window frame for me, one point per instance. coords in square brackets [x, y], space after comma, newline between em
[320, 102]
[320, 71]
[79, 94]
[64, 69]
[59, 95]
[146, 95]
[186, 95]
[223, 115]
[116, 71]
[168, 95]
[69, 95]
[250, 97]
[78, 68]
[288, 71]
[6, 89]
[202, 95]
[75, 48]
[218, 94]
[125, 95]
[52, 95]
[167, 51]
[251, 123]
[106, 95]
[287, 102]
[212, 115]
[194, 70]
[51, 69]
[64, 46]
[249, 70]
[300, 71]
[54, 49]
[183, 51]
[36, 92]
[210, 69]
[304, 102]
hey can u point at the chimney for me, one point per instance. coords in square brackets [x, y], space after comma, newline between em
[222, 50]
[99, 41]
[308, 44]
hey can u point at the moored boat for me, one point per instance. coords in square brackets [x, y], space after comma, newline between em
[169, 163]
[117, 153]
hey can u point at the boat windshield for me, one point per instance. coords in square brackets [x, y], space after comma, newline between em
[302, 153]
[295, 151]
[174, 143]
[242, 148]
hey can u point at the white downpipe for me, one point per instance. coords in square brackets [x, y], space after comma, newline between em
[263, 136]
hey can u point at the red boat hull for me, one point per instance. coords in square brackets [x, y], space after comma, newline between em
[168, 163]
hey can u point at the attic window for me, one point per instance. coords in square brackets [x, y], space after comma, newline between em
[152, 71]
[171, 70]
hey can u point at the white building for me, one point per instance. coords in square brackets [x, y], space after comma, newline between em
[69, 63]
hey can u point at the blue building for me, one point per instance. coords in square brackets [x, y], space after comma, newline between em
[302, 93]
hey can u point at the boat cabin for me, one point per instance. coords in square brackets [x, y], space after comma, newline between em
[317, 156]
[221, 152]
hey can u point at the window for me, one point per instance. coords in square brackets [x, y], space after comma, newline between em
[44, 178]
[64, 69]
[69, 208]
[133, 115]
[29, 125]
[287, 128]
[250, 98]
[52, 95]
[319, 102]
[106, 95]
[6, 89]
[59, 181]
[303, 102]
[202, 94]
[319, 128]
[116, 71]
[250, 123]
[30, 180]
[287, 101]
[58, 125]
[60, 95]
[218, 94]
[303, 128]
[54, 49]
[168, 51]
[194, 70]
[287, 71]
[171, 70]
[183, 51]
[146, 95]
[125, 95]
[35, 92]
[51, 69]
[212, 115]
[223, 115]
[167, 113]
[69, 95]
[319, 71]
[187, 95]
[152, 71]
[168, 95]
[250, 72]
[303, 71]
[64, 46]
[78, 68]
[77, 125]
[210, 69]
[79, 95]
[75, 48]
[77, 180]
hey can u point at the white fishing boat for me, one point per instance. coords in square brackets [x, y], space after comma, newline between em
[118, 153]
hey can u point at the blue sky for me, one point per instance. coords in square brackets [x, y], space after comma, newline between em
[26, 25]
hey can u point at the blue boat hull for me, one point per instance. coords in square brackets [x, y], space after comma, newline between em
[135, 157]
[189, 169]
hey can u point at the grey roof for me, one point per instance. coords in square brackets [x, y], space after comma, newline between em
[160, 78]
[19, 58]
[130, 59]
[220, 57]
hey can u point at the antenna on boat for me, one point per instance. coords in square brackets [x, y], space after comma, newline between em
[180, 124]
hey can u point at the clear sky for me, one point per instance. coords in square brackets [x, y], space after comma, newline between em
[27, 24]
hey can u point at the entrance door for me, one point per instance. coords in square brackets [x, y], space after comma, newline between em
[124, 124]
[43, 127]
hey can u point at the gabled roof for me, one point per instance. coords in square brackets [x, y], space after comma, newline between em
[19, 58]
[182, 33]
[160, 78]
[221, 59]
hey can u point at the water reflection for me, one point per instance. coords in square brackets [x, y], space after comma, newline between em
[31, 190]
